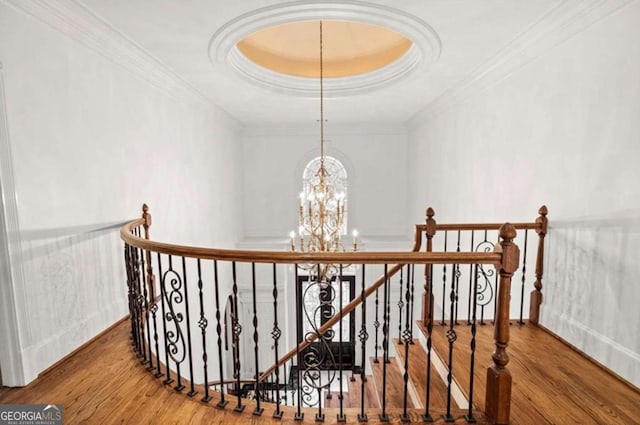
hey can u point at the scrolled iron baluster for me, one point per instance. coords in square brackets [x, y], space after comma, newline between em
[163, 295]
[176, 346]
[484, 291]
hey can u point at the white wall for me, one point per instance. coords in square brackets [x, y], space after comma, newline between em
[91, 138]
[375, 158]
[562, 130]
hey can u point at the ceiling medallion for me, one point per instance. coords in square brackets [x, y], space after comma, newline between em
[420, 49]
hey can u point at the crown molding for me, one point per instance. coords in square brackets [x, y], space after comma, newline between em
[558, 25]
[81, 24]
[425, 50]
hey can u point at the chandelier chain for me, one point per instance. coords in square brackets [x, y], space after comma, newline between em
[321, 103]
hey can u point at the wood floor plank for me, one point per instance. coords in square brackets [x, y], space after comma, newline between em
[105, 383]
[370, 394]
[418, 375]
[552, 383]
[395, 383]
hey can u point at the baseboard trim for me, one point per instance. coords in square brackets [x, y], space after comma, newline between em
[588, 357]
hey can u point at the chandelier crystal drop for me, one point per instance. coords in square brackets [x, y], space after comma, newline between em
[322, 206]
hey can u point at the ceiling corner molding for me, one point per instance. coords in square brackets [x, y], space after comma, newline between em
[425, 50]
[558, 25]
[78, 22]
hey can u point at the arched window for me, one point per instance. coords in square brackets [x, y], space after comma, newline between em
[336, 176]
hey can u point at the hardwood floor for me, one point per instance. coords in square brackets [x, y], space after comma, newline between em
[552, 384]
[104, 383]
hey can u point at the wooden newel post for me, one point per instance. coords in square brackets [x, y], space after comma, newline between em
[536, 295]
[150, 277]
[498, 396]
[427, 297]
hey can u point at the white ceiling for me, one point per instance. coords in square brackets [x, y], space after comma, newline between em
[473, 33]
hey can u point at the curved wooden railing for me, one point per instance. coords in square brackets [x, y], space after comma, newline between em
[176, 290]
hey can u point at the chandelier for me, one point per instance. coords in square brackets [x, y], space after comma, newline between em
[322, 209]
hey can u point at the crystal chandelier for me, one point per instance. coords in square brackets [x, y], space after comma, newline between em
[322, 205]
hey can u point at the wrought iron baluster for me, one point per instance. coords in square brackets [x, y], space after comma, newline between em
[298, 415]
[175, 338]
[203, 323]
[451, 338]
[471, 290]
[128, 258]
[400, 308]
[237, 329]
[385, 346]
[192, 391]
[140, 300]
[406, 335]
[457, 283]
[376, 325]
[426, 417]
[148, 354]
[363, 336]
[469, 416]
[154, 311]
[444, 282]
[524, 271]
[258, 410]
[412, 304]
[222, 402]
[163, 296]
[275, 334]
[340, 417]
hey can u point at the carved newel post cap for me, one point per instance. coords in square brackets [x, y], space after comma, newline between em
[507, 232]
[543, 210]
[146, 215]
[430, 212]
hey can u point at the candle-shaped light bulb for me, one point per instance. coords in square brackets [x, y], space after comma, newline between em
[292, 235]
[355, 239]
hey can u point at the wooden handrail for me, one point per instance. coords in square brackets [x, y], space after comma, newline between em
[296, 257]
